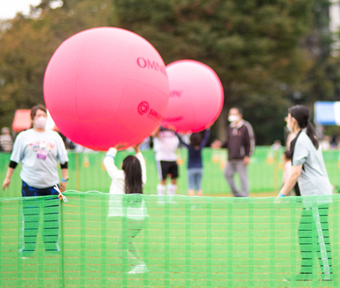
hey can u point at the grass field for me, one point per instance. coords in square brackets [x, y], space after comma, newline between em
[217, 241]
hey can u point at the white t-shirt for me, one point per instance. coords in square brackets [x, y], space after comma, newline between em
[39, 153]
[165, 145]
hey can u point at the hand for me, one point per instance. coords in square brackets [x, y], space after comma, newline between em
[136, 147]
[6, 183]
[120, 146]
[63, 186]
[216, 144]
[246, 160]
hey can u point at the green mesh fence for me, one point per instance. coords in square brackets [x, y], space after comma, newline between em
[99, 240]
[87, 172]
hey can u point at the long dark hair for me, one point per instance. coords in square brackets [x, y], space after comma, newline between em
[195, 139]
[133, 175]
[302, 116]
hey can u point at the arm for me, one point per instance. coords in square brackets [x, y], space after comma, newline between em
[140, 157]
[156, 132]
[249, 140]
[63, 159]
[205, 138]
[181, 140]
[64, 176]
[225, 143]
[16, 157]
[110, 166]
[7, 180]
[289, 185]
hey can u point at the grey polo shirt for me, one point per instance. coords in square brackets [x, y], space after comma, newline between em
[314, 178]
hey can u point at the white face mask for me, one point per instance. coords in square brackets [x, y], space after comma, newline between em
[40, 122]
[233, 118]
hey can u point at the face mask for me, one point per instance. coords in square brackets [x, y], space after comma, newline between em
[40, 122]
[233, 118]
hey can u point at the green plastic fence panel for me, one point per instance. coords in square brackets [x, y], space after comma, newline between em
[101, 240]
[87, 172]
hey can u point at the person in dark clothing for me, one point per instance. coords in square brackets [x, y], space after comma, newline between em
[195, 168]
[240, 144]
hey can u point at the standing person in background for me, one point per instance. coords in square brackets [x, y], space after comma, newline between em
[39, 150]
[308, 168]
[240, 144]
[6, 141]
[165, 146]
[129, 180]
[195, 168]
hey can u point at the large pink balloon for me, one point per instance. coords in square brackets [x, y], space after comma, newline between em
[106, 86]
[196, 96]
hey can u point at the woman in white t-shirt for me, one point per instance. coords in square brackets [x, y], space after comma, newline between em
[131, 207]
[308, 168]
[39, 151]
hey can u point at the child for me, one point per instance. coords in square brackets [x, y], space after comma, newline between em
[129, 180]
[195, 168]
[165, 146]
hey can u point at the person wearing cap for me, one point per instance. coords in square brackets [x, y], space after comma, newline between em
[6, 141]
[240, 144]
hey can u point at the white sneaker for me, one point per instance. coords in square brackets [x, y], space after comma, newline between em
[141, 268]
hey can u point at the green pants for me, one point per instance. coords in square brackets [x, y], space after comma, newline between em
[314, 241]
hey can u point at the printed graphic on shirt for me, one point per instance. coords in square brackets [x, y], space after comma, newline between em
[42, 148]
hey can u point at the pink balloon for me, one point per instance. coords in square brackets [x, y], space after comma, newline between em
[105, 86]
[196, 96]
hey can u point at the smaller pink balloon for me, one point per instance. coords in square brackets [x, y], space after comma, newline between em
[196, 97]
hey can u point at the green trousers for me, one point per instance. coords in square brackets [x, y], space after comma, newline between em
[315, 241]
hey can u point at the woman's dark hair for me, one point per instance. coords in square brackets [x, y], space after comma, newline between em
[195, 139]
[302, 116]
[288, 155]
[133, 175]
[36, 108]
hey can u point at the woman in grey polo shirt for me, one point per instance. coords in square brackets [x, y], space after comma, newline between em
[308, 169]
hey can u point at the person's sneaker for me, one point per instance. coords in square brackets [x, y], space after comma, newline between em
[141, 268]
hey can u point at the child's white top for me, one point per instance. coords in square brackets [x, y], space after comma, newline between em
[117, 187]
[117, 175]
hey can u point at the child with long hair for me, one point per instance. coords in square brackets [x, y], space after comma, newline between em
[195, 167]
[130, 181]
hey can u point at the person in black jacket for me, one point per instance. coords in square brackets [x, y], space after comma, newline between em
[240, 144]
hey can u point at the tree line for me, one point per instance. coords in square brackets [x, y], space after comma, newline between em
[269, 55]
